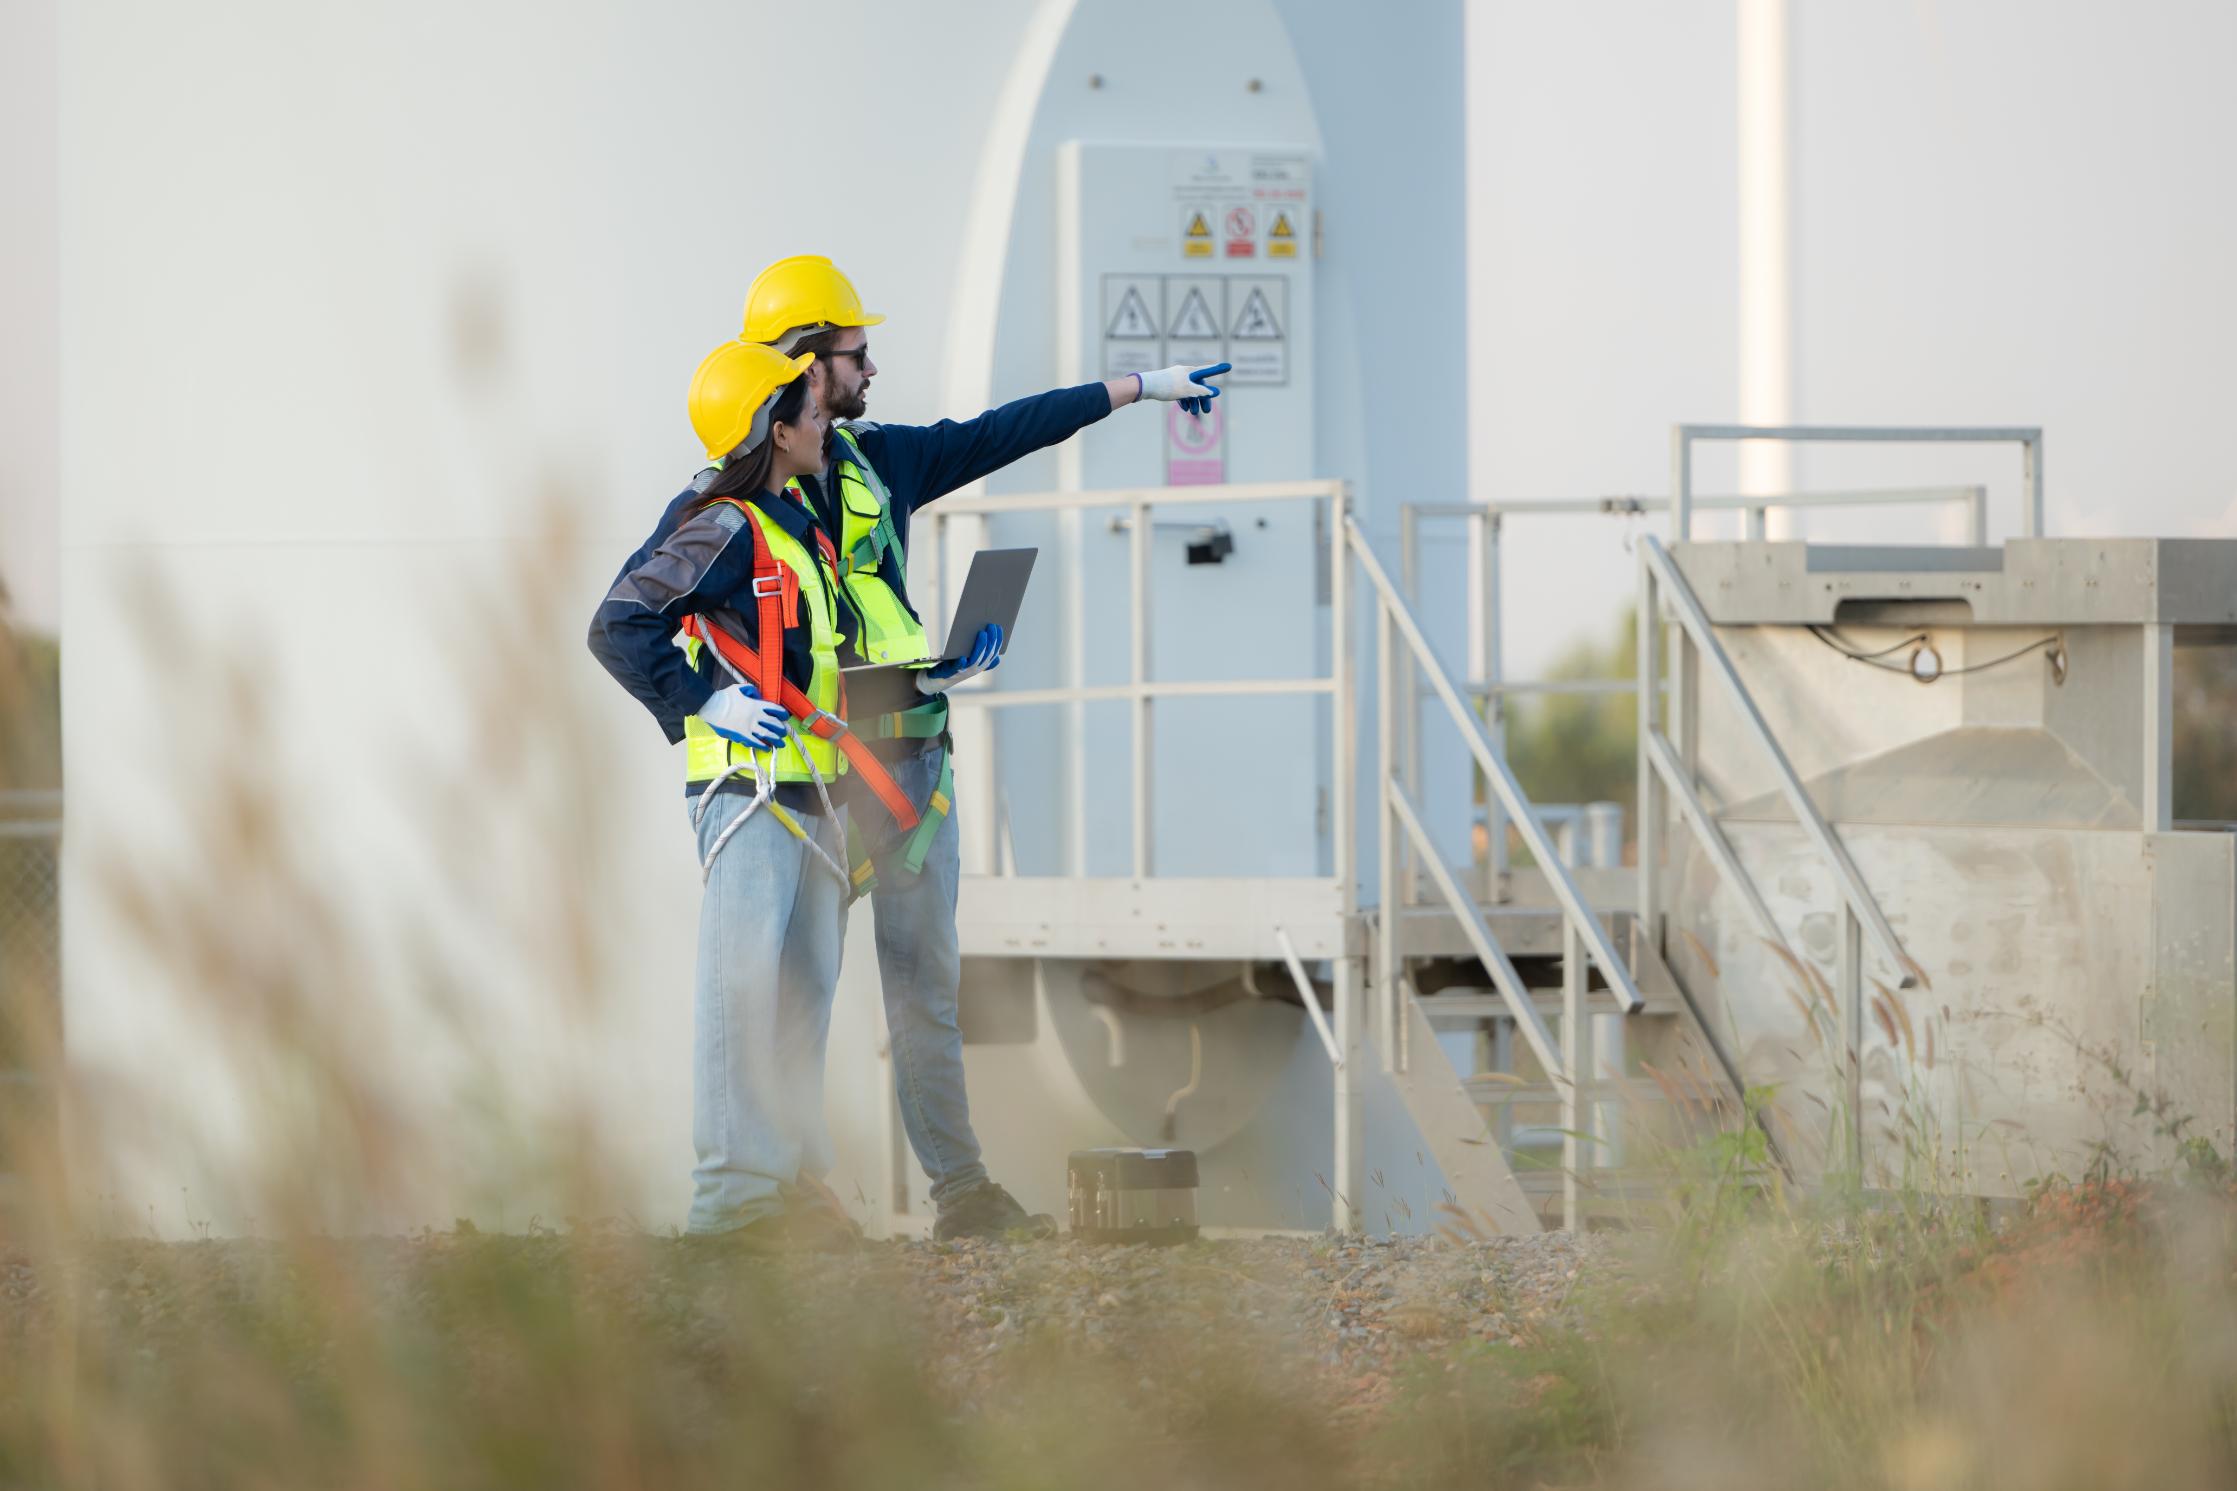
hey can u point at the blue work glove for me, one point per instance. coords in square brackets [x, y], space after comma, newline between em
[985, 654]
[1191, 388]
[740, 714]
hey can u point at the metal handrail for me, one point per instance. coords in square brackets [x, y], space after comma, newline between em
[1342, 1030]
[1658, 571]
[1485, 520]
[1392, 610]
[965, 504]
[1705, 502]
[2029, 438]
[1664, 758]
[1504, 977]
[1140, 691]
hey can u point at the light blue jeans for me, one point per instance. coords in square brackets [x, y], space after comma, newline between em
[921, 970]
[772, 920]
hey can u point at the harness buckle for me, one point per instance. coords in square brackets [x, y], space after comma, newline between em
[774, 582]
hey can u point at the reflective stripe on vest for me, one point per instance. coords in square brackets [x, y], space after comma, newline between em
[871, 563]
[794, 574]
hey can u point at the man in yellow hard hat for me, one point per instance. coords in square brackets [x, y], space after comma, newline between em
[878, 474]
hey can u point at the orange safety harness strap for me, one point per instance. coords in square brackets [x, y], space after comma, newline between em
[776, 591]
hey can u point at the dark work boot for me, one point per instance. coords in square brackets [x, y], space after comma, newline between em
[986, 1210]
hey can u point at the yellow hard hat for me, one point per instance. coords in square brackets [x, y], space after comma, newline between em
[733, 386]
[800, 294]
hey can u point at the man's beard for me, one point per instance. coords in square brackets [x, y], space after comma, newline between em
[851, 405]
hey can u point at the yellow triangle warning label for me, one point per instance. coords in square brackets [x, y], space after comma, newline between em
[1281, 228]
[1197, 227]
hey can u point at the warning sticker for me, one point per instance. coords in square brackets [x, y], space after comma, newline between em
[1196, 446]
[1242, 232]
[1258, 330]
[1132, 342]
[1196, 233]
[1132, 320]
[1194, 318]
[1195, 315]
[1255, 321]
[1247, 203]
[1281, 236]
[1149, 321]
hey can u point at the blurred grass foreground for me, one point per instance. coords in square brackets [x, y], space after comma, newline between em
[1740, 1336]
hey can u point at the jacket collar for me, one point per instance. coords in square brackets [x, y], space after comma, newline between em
[789, 514]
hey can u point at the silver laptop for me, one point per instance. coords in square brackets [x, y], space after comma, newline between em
[992, 593]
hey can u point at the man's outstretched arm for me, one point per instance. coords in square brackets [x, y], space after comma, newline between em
[923, 462]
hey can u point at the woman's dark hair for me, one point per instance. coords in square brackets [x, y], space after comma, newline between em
[750, 473]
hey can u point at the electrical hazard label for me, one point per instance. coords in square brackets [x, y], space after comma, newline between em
[1194, 318]
[1133, 320]
[1149, 321]
[1258, 330]
[1133, 338]
[1195, 313]
[1196, 234]
[1281, 236]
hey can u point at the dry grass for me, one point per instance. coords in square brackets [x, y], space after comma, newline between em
[1754, 1341]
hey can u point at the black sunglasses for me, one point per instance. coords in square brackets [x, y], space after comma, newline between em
[857, 353]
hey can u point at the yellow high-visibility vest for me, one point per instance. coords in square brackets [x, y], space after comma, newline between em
[790, 570]
[871, 563]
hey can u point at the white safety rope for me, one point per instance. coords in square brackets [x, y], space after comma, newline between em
[763, 765]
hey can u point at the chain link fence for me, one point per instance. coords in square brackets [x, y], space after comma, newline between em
[30, 921]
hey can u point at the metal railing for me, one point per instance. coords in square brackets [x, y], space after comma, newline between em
[1683, 503]
[1668, 768]
[1583, 934]
[1408, 674]
[1406, 662]
[1141, 690]
[1488, 683]
[1340, 1028]
[1661, 585]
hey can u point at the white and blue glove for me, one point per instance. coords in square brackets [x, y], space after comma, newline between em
[740, 714]
[1191, 388]
[985, 654]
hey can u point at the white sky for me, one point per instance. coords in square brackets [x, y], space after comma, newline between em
[2012, 211]
[2008, 213]
[29, 331]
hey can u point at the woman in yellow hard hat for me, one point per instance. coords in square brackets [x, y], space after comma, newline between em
[743, 573]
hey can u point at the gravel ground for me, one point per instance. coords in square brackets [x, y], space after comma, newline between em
[1339, 1319]
[1352, 1312]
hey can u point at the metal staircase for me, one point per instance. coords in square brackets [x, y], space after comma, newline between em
[1571, 1056]
[1557, 1024]
[1524, 1015]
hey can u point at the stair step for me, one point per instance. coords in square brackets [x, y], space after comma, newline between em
[1487, 1087]
[1485, 1004]
[1523, 931]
